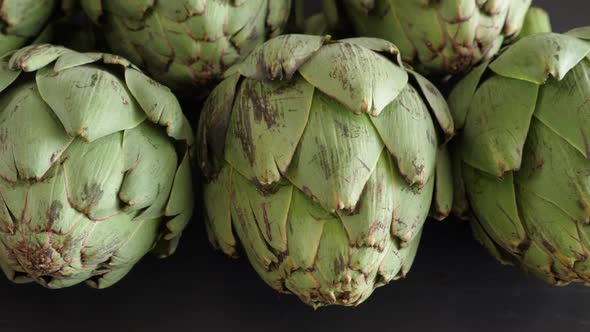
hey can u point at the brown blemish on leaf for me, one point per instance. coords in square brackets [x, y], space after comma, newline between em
[92, 194]
[549, 247]
[243, 132]
[348, 130]
[309, 194]
[325, 158]
[53, 214]
[3, 139]
[418, 168]
[586, 143]
[339, 264]
[266, 221]
[262, 108]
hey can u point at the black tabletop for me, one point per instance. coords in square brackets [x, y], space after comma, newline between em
[454, 285]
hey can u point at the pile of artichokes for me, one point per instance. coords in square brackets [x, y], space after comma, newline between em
[321, 158]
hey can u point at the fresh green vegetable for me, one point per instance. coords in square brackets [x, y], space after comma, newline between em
[21, 21]
[523, 156]
[187, 43]
[440, 37]
[322, 157]
[94, 167]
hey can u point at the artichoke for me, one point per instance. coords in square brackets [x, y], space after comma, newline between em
[187, 44]
[440, 37]
[522, 159]
[323, 157]
[21, 21]
[94, 167]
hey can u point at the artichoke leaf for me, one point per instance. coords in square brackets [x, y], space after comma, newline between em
[540, 262]
[271, 212]
[94, 174]
[437, 104]
[369, 228]
[581, 33]
[408, 254]
[398, 260]
[555, 171]
[89, 102]
[366, 85]
[75, 59]
[495, 206]
[563, 107]
[278, 58]
[407, 129]
[551, 228]
[28, 151]
[336, 155]
[370, 225]
[536, 21]
[277, 11]
[26, 18]
[391, 264]
[246, 225]
[249, 30]
[497, 124]
[150, 165]
[480, 234]
[374, 44]
[141, 240]
[7, 75]
[411, 208]
[35, 57]
[213, 125]
[333, 258]
[159, 104]
[424, 41]
[536, 57]
[517, 11]
[268, 120]
[6, 220]
[125, 247]
[131, 9]
[305, 227]
[382, 16]
[44, 207]
[463, 93]
[443, 186]
[461, 207]
[217, 201]
[180, 203]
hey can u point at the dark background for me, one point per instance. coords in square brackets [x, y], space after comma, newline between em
[454, 285]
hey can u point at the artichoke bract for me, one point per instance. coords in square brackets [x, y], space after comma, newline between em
[21, 21]
[187, 44]
[440, 37]
[321, 158]
[522, 159]
[94, 167]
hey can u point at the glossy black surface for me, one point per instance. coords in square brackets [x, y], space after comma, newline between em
[454, 285]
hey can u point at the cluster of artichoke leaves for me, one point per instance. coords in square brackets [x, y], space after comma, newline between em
[321, 157]
[442, 36]
[187, 43]
[21, 21]
[522, 162]
[94, 167]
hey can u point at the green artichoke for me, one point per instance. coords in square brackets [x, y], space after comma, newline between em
[323, 157]
[21, 21]
[443, 36]
[94, 167]
[187, 43]
[523, 156]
